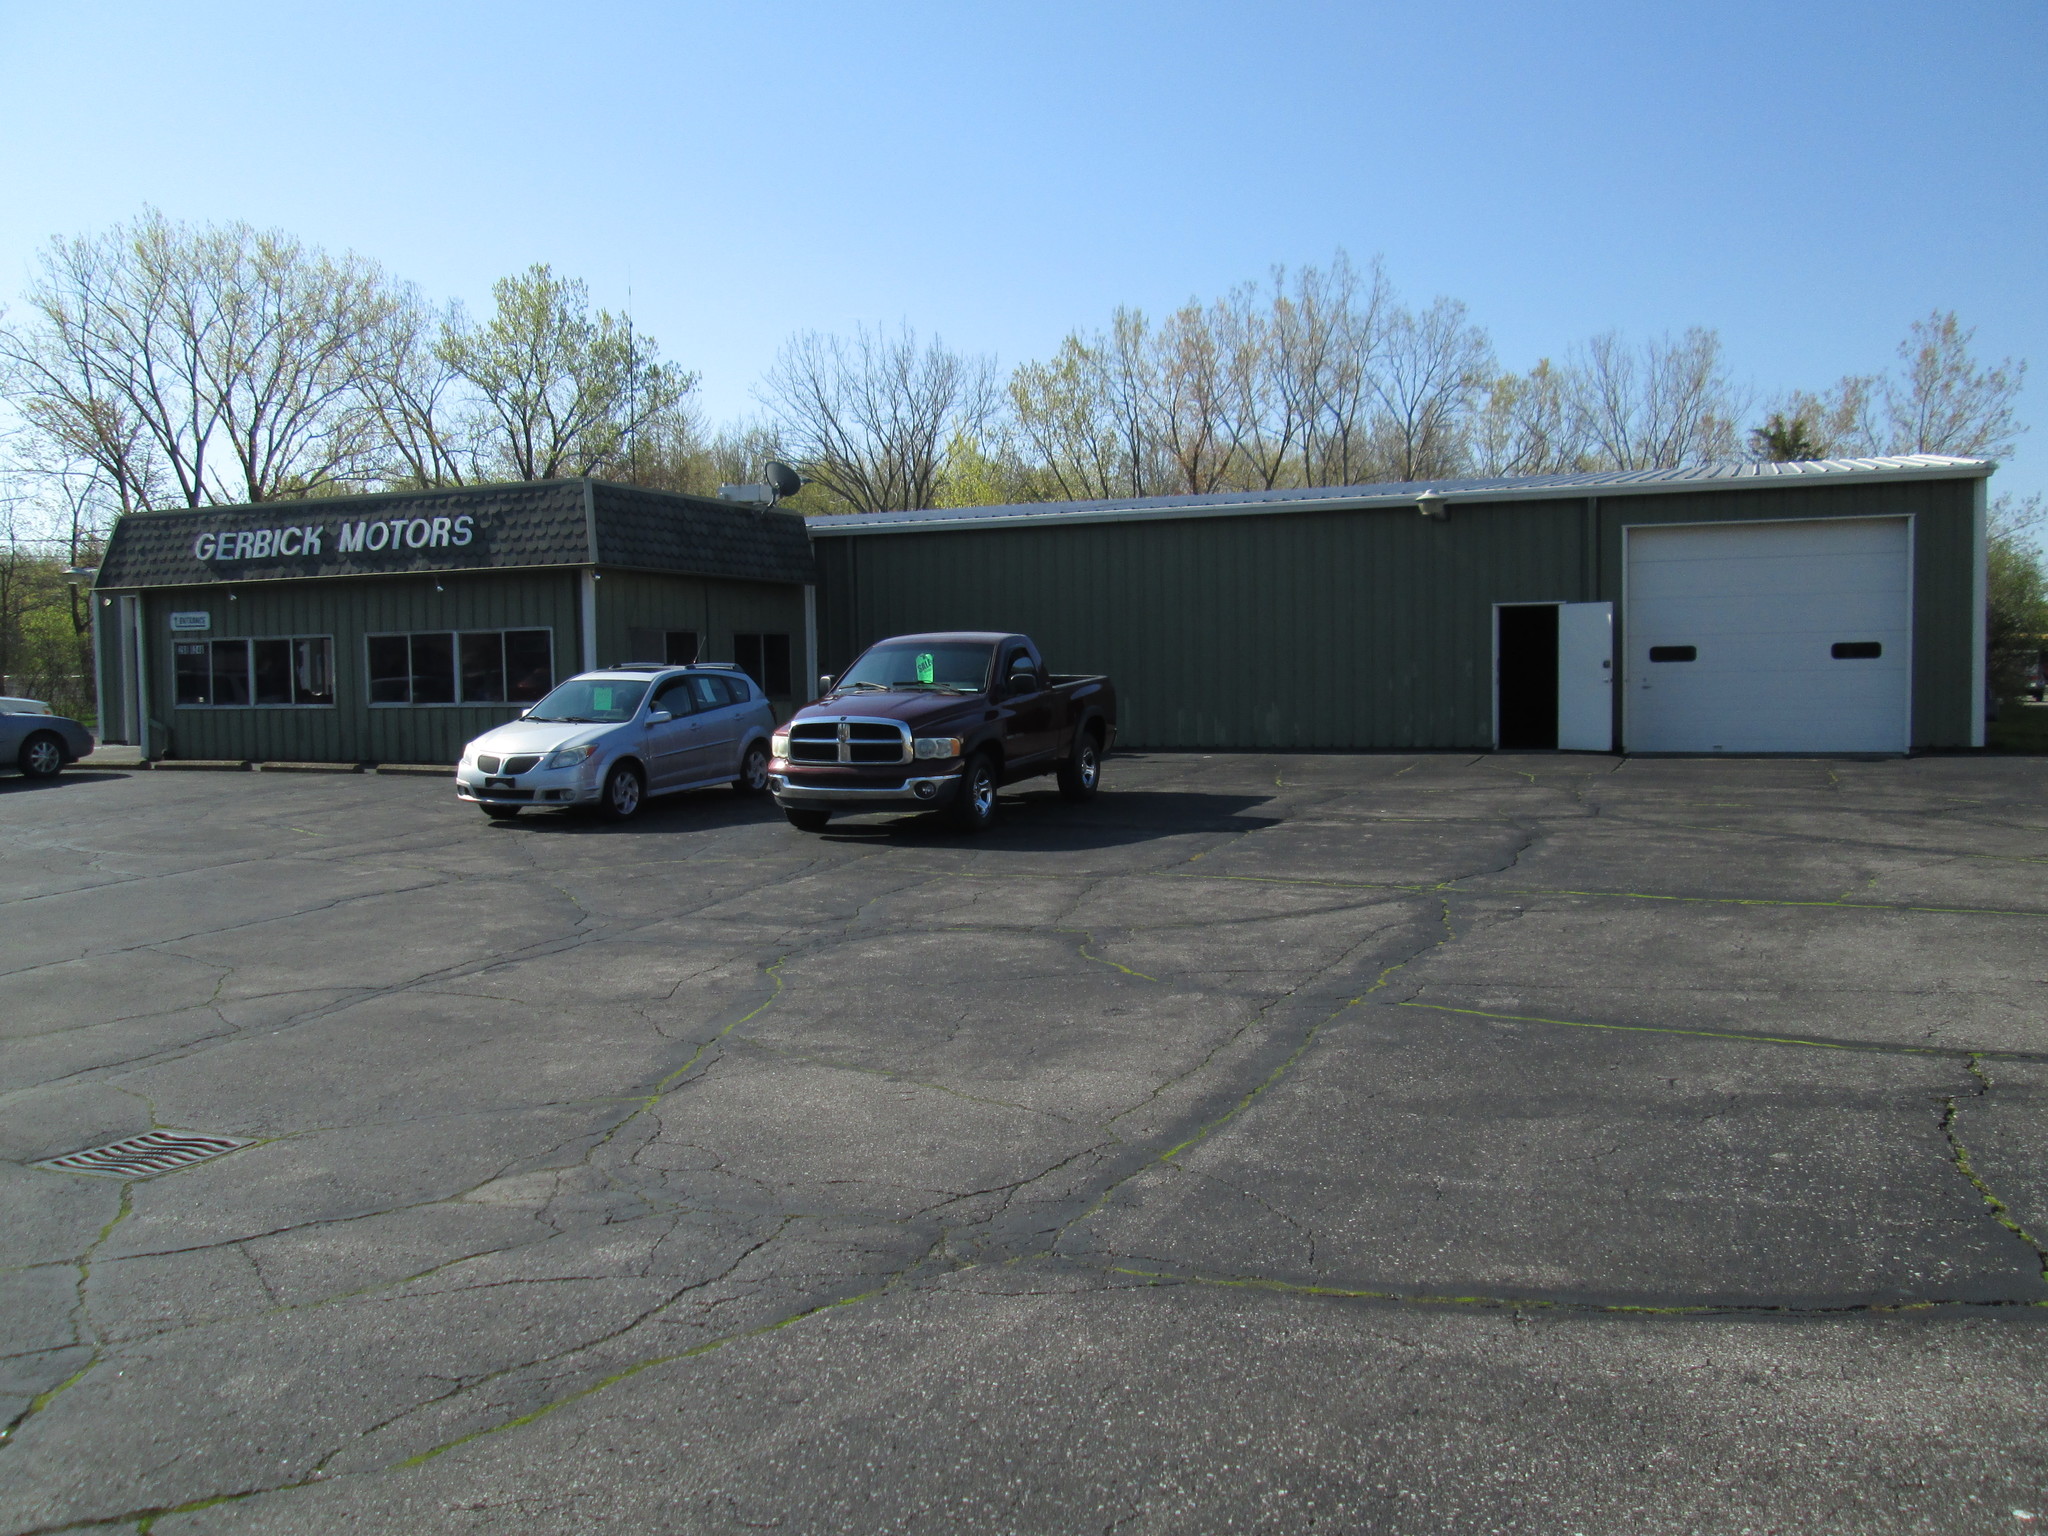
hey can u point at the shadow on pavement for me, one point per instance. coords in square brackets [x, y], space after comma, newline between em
[1037, 820]
[13, 780]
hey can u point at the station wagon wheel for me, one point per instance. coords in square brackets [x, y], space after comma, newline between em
[975, 806]
[623, 789]
[42, 756]
[1081, 774]
[753, 771]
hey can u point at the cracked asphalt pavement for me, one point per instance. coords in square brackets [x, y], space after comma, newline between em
[1280, 1143]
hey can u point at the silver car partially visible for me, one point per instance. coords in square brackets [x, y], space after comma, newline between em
[37, 742]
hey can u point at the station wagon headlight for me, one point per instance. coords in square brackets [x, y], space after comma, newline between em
[778, 744]
[937, 746]
[569, 757]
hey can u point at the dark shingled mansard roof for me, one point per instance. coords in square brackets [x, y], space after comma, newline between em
[513, 526]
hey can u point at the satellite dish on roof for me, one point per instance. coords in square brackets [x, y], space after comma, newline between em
[783, 480]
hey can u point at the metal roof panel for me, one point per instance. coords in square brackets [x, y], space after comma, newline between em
[1313, 498]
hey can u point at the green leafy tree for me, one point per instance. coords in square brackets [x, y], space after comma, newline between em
[2015, 593]
[561, 390]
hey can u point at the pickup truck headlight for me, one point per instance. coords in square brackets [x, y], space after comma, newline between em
[936, 746]
[569, 757]
[778, 744]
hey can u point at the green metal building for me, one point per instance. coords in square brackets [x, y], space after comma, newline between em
[394, 628]
[1816, 607]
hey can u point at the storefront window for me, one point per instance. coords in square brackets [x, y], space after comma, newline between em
[764, 658]
[293, 669]
[492, 666]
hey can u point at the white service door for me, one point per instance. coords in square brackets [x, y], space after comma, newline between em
[1762, 607]
[1585, 677]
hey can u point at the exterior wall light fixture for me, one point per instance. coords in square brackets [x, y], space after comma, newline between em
[1432, 504]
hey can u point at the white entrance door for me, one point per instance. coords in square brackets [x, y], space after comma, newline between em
[1769, 637]
[1585, 677]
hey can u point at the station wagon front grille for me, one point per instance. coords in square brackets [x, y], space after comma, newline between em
[139, 1157]
[519, 764]
[849, 741]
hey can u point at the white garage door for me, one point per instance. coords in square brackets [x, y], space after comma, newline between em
[1769, 637]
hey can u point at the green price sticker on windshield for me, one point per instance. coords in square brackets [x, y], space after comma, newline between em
[601, 698]
[924, 666]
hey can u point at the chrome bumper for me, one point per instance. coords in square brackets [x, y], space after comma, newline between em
[937, 789]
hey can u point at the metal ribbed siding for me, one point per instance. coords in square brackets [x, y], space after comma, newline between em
[1355, 630]
[1314, 630]
[350, 609]
[716, 610]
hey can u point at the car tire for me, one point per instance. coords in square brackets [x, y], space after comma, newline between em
[1081, 774]
[806, 819]
[753, 778]
[500, 812]
[974, 803]
[625, 791]
[42, 756]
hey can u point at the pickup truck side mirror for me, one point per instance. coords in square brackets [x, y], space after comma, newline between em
[659, 717]
[1024, 681]
[824, 683]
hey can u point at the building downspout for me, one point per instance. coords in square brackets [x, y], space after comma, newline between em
[142, 720]
[94, 603]
[809, 690]
[1980, 684]
[587, 604]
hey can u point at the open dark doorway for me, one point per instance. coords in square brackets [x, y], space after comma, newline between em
[1525, 671]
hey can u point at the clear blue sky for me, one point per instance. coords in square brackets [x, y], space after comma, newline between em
[1806, 177]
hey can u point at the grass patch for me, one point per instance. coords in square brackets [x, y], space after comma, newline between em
[2021, 726]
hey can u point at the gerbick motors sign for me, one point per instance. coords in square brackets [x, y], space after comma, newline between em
[350, 537]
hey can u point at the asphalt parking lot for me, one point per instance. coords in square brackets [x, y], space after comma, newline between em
[1396, 1144]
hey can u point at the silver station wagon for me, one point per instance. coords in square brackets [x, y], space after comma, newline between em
[611, 738]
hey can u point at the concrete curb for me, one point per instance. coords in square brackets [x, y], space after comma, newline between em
[418, 768]
[198, 764]
[307, 767]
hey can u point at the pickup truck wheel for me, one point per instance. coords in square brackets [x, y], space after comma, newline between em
[753, 771]
[805, 820]
[42, 756]
[974, 805]
[623, 791]
[1081, 774]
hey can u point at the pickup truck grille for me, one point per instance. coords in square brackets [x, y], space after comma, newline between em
[514, 765]
[849, 741]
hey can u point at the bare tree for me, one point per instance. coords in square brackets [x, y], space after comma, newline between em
[870, 417]
[1086, 419]
[1942, 402]
[1666, 405]
[197, 366]
[1326, 339]
[1192, 403]
[561, 390]
[1528, 425]
[1433, 365]
[410, 395]
[1939, 401]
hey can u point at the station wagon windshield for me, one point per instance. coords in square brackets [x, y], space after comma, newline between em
[591, 701]
[953, 666]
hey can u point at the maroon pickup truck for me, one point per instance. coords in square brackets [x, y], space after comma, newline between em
[940, 722]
